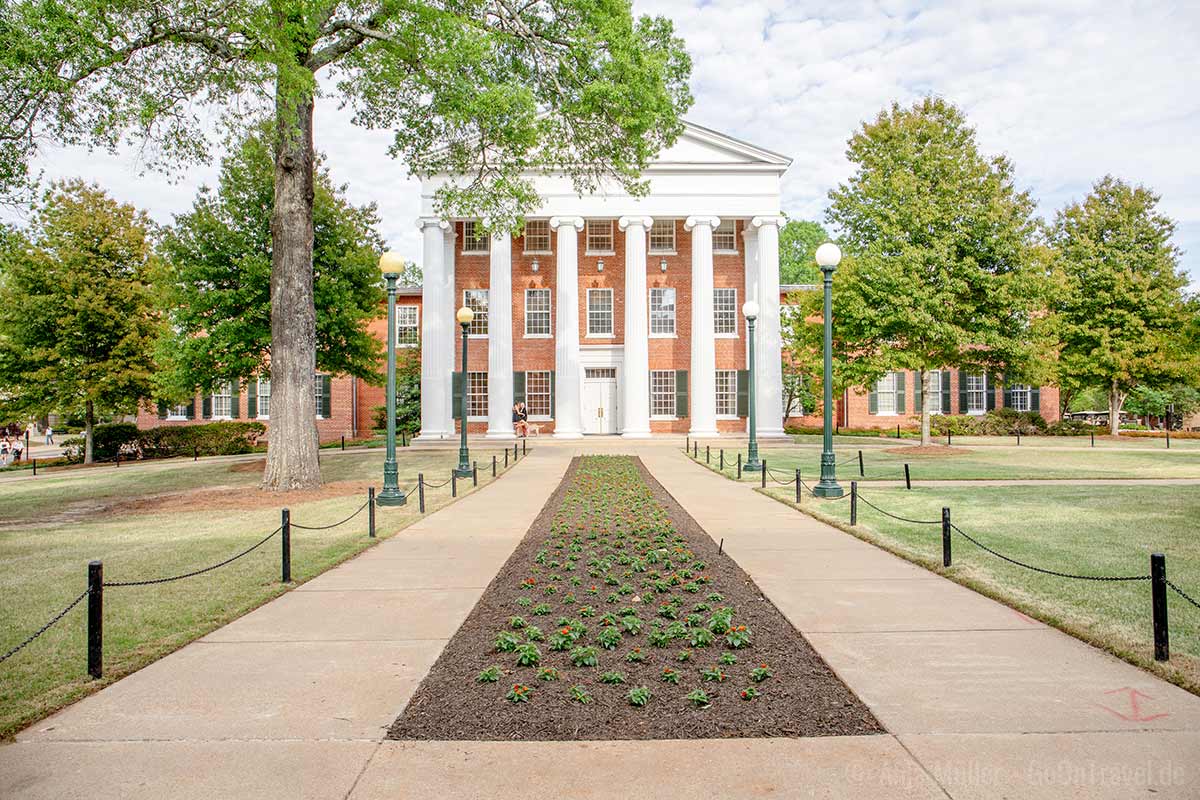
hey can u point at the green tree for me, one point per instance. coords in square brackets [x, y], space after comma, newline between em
[217, 279]
[1179, 399]
[798, 242]
[77, 313]
[1121, 312]
[487, 90]
[943, 271]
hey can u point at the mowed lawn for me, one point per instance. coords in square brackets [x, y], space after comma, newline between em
[160, 519]
[964, 462]
[1092, 530]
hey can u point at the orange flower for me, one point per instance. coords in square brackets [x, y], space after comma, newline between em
[763, 666]
[565, 631]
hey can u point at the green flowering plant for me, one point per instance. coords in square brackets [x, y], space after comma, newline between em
[612, 677]
[516, 623]
[669, 675]
[700, 637]
[639, 696]
[506, 642]
[608, 638]
[714, 674]
[580, 695]
[584, 656]
[749, 693]
[760, 673]
[728, 659]
[547, 674]
[698, 698]
[519, 693]
[683, 655]
[541, 609]
[635, 655]
[489, 675]
[533, 634]
[528, 655]
[738, 636]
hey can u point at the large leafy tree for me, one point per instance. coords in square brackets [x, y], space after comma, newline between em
[798, 243]
[77, 314]
[943, 269]
[1121, 312]
[486, 89]
[217, 279]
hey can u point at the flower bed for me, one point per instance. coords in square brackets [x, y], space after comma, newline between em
[616, 618]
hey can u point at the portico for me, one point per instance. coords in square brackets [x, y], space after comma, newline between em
[610, 313]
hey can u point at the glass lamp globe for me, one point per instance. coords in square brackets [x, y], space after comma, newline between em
[828, 255]
[391, 262]
[464, 316]
[750, 309]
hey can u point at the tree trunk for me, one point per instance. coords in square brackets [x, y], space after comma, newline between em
[926, 417]
[89, 423]
[1116, 399]
[292, 461]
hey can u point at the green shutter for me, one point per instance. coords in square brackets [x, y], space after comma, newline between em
[918, 379]
[681, 393]
[235, 399]
[191, 409]
[1007, 392]
[743, 392]
[1035, 399]
[901, 398]
[456, 392]
[990, 393]
[326, 396]
[162, 409]
[518, 387]
[962, 391]
[872, 400]
[207, 406]
[945, 391]
[252, 398]
[552, 412]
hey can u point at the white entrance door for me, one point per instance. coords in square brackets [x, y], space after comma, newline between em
[600, 400]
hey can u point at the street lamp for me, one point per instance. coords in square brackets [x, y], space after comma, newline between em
[828, 256]
[463, 470]
[390, 264]
[750, 312]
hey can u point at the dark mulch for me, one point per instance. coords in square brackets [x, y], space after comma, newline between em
[804, 698]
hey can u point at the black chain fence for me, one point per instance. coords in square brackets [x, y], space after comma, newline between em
[44, 628]
[195, 572]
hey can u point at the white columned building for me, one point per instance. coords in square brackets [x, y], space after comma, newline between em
[583, 310]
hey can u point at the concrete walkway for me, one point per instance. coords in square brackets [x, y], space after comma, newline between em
[293, 699]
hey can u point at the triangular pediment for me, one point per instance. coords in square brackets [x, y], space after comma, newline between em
[698, 146]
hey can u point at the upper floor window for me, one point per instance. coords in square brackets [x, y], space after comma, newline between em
[408, 328]
[724, 238]
[976, 394]
[599, 235]
[662, 311]
[475, 238]
[662, 236]
[537, 312]
[537, 236]
[725, 311]
[599, 312]
[222, 401]
[477, 301]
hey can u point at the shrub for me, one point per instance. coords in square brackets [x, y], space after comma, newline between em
[1001, 422]
[107, 441]
[818, 430]
[211, 439]
[1069, 427]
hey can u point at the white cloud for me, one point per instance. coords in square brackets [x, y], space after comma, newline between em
[1070, 91]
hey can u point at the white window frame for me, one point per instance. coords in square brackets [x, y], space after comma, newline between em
[471, 388]
[599, 314]
[415, 325]
[1025, 391]
[472, 238]
[541, 251]
[935, 393]
[731, 313]
[662, 396]
[886, 387]
[726, 394]
[481, 318]
[727, 227]
[587, 238]
[260, 395]
[529, 383]
[179, 411]
[661, 249]
[318, 393]
[223, 392]
[978, 395]
[663, 334]
[548, 311]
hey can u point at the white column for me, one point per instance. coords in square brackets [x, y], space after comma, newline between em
[449, 302]
[703, 370]
[750, 240]
[769, 388]
[500, 338]
[436, 333]
[567, 382]
[636, 378]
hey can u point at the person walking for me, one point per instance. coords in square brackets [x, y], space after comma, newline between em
[17, 449]
[49, 435]
[4, 452]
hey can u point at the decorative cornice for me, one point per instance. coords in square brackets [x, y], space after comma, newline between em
[558, 222]
[425, 222]
[758, 222]
[692, 222]
[643, 221]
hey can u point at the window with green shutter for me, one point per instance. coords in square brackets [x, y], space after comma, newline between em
[743, 392]
[252, 398]
[681, 393]
[901, 393]
[456, 393]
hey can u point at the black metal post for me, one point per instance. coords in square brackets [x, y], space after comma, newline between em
[195, 454]
[907, 479]
[474, 473]
[1018, 438]
[764, 473]
[27, 456]
[371, 512]
[514, 452]
[454, 484]
[722, 463]
[897, 430]
[1158, 599]
[861, 473]
[687, 443]
[524, 449]
[707, 454]
[287, 546]
[421, 490]
[1093, 438]
[947, 438]
[403, 438]
[35, 467]
[696, 450]
[343, 441]
[945, 537]
[739, 466]
[493, 465]
[95, 630]
[506, 458]
[799, 488]
[1168, 436]
[853, 503]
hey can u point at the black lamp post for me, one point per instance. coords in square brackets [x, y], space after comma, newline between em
[463, 470]
[750, 312]
[828, 256]
[391, 264]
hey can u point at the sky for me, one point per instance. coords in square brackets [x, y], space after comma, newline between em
[1069, 90]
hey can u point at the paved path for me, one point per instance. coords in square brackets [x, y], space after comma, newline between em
[292, 700]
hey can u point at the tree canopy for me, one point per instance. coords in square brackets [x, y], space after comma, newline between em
[798, 243]
[216, 281]
[77, 314]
